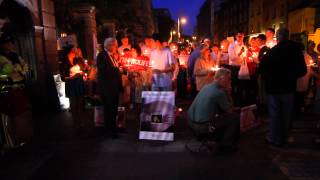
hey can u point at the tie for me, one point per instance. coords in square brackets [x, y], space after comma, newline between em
[115, 64]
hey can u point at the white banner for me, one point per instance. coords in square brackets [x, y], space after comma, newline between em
[157, 116]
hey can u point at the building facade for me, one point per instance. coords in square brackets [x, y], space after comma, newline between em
[223, 18]
[164, 22]
[204, 20]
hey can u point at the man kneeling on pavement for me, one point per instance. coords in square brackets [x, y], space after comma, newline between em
[214, 103]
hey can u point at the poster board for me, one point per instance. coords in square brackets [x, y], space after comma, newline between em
[157, 115]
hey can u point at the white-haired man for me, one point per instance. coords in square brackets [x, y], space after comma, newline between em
[214, 102]
[109, 84]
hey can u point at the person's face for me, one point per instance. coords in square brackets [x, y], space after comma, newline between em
[134, 53]
[125, 41]
[152, 43]
[225, 81]
[158, 44]
[112, 47]
[253, 42]
[173, 47]
[164, 44]
[259, 42]
[240, 37]
[207, 43]
[215, 49]
[312, 46]
[224, 46]
[269, 35]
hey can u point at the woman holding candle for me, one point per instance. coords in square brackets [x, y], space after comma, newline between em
[203, 68]
[72, 74]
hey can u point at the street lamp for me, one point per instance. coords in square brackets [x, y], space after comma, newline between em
[182, 21]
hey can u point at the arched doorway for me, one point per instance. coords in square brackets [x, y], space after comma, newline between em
[17, 20]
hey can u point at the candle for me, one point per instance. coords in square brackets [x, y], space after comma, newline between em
[311, 61]
[216, 68]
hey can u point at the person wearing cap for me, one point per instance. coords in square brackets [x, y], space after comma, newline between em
[280, 68]
[20, 67]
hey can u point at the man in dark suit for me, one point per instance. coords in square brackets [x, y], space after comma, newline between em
[280, 68]
[109, 84]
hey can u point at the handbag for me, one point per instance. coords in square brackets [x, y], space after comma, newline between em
[244, 71]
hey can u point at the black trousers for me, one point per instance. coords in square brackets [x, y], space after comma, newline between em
[227, 124]
[110, 111]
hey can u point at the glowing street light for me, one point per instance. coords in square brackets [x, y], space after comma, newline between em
[182, 20]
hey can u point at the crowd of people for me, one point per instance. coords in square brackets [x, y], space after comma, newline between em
[270, 71]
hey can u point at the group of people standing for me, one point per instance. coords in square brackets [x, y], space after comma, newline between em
[273, 69]
[276, 74]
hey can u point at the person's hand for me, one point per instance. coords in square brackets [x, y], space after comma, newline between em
[241, 51]
[211, 73]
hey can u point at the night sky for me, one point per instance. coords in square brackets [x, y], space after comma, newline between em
[186, 8]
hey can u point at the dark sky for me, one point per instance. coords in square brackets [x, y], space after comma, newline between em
[178, 8]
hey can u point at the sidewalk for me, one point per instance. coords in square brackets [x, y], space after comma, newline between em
[69, 156]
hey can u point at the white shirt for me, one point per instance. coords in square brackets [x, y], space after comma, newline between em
[233, 51]
[161, 59]
[271, 43]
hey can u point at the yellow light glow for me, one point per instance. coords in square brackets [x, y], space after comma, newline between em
[183, 20]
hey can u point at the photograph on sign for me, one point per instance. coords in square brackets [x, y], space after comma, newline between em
[157, 116]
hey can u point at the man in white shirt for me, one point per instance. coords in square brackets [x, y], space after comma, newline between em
[270, 38]
[236, 52]
[125, 45]
[163, 65]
